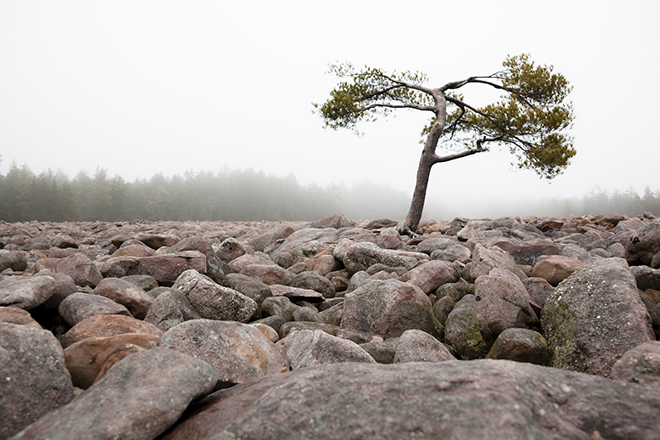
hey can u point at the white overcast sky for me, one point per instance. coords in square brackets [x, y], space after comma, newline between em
[141, 87]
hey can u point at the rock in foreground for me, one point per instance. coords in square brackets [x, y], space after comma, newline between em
[481, 399]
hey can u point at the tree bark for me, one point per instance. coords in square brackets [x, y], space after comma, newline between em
[426, 162]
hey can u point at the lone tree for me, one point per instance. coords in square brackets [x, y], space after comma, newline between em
[532, 116]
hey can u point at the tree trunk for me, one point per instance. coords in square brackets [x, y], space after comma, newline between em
[426, 162]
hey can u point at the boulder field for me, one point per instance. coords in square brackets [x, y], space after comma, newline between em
[506, 328]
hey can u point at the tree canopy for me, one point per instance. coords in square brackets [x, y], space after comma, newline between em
[531, 118]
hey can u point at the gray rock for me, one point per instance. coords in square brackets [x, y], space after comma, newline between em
[279, 306]
[79, 267]
[484, 260]
[308, 348]
[14, 260]
[594, 317]
[462, 331]
[170, 309]
[26, 292]
[646, 277]
[453, 400]
[238, 352]
[139, 398]
[294, 326]
[644, 244]
[213, 301]
[419, 346]
[456, 252]
[230, 249]
[80, 306]
[640, 365]
[362, 255]
[34, 378]
[388, 308]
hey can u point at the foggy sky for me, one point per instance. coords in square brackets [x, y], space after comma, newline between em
[141, 87]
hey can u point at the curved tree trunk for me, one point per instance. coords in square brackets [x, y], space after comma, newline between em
[426, 162]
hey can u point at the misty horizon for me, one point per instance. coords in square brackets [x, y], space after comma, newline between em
[358, 200]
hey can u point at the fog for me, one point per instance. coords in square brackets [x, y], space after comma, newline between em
[148, 87]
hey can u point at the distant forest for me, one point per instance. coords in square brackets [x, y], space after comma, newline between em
[248, 195]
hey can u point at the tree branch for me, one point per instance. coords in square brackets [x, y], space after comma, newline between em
[412, 106]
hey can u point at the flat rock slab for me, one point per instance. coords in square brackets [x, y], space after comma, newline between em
[449, 400]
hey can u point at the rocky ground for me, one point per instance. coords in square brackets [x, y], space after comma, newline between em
[475, 329]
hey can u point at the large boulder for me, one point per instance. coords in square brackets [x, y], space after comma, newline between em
[238, 352]
[484, 399]
[213, 301]
[387, 308]
[520, 345]
[34, 381]
[139, 398]
[595, 316]
[307, 348]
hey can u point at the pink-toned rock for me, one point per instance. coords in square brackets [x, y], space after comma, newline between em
[167, 268]
[85, 358]
[108, 325]
[79, 267]
[314, 281]
[486, 259]
[501, 302]
[267, 273]
[644, 244]
[556, 268]
[136, 300]
[431, 275]
[120, 352]
[238, 352]
[14, 260]
[419, 346]
[64, 286]
[14, 315]
[239, 263]
[133, 250]
[527, 253]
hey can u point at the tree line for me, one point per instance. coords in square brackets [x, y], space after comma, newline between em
[248, 195]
